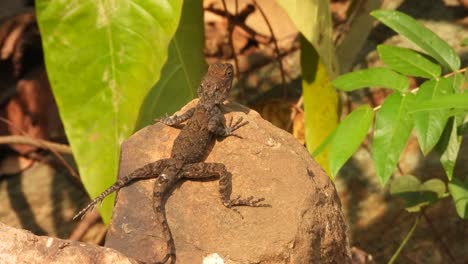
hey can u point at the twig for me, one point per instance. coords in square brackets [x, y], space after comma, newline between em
[83, 226]
[277, 51]
[266, 62]
[44, 144]
[377, 108]
[399, 168]
[342, 28]
[26, 140]
[295, 109]
[407, 237]
[257, 36]
[455, 72]
[231, 26]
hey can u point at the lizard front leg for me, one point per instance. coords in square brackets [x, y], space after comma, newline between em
[205, 170]
[216, 124]
[150, 170]
[175, 119]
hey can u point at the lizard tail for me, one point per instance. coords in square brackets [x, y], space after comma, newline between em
[150, 170]
[161, 218]
[116, 186]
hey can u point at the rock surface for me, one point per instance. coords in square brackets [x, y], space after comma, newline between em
[304, 225]
[23, 247]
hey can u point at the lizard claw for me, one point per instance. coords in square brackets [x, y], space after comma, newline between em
[230, 128]
[83, 212]
[249, 201]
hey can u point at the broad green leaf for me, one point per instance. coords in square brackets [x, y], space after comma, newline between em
[421, 36]
[393, 126]
[102, 58]
[379, 77]
[408, 62]
[313, 20]
[320, 102]
[449, 144]
[415, 194]
[348, 137]
[429, 125]
[459, 191]
[183, 70]
[452, 101]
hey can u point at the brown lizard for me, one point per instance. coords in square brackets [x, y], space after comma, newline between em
[205, 121]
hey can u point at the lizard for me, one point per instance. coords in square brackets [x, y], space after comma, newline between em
[204, 123]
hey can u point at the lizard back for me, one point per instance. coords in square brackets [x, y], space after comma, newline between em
[193, 142]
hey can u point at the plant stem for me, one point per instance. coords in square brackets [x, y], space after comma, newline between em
[403, 244]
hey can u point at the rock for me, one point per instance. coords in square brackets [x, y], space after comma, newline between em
[23, 247]
[304, 225]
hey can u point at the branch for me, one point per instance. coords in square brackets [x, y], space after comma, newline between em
[36, 142]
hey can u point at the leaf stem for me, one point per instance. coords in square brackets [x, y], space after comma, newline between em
[408, 236]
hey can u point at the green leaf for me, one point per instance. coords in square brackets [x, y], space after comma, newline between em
[452, 101]
[313, 20]
[421, 36]
[348, 137]
[379, 77]
[320, 103]
[449, 144]
[183, 70]
[464, 42]
[459, 192]
[464, 77]
[415, 194]
[102, 58]
[430, 124]
[459, 81]
[393, 126]
[324, 144]
[408, 62]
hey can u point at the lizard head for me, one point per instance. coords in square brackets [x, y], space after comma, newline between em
[217, 83]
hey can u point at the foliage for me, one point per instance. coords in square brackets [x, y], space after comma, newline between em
[183, 70]
[105, 60]
[415, 193]
[435, 110]
[102, 59]
[319, 66]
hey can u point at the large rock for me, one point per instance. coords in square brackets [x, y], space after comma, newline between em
[23, 247]
[304, 224]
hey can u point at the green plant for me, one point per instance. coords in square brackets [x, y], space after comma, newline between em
[103, 58]
[436, 111]
[116, 65]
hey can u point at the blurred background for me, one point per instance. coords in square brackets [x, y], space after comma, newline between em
[40, 189]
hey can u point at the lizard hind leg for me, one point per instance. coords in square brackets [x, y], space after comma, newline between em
[204, 170]
[150, 170]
